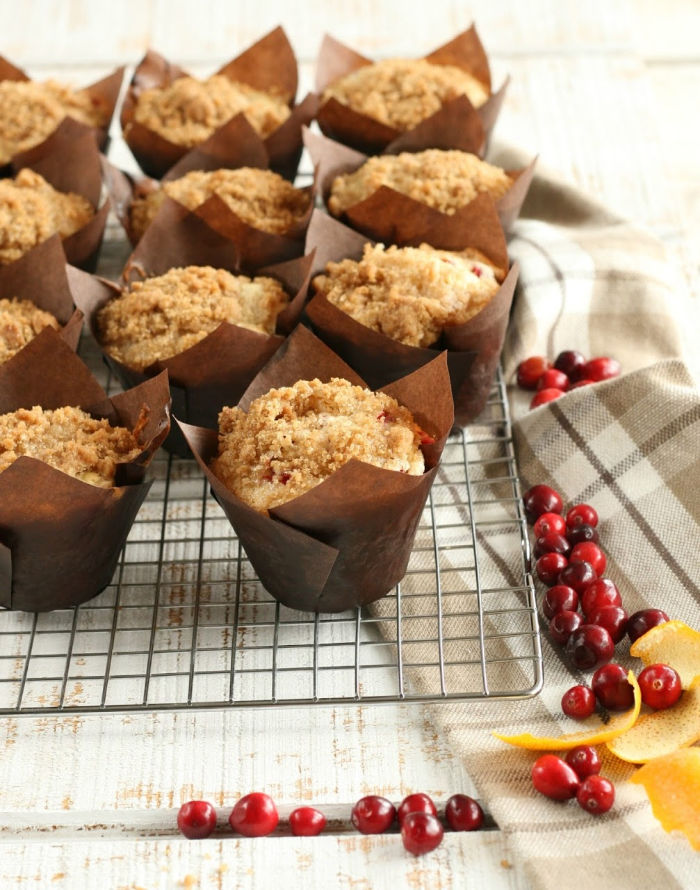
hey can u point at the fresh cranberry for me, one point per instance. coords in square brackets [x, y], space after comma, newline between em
[553, 379]
[373, 814]
[599, 593]
[415, 803]
[196, 819]
[581, 534]
[569, 361]
[550, 566]
[463, 813]
[590, 553]
[559, 598]
[421, 833]
[581, 514]
[660, 686]
[563, 625]
[640, 622]
[612, 618]
[254, 815]
[612, 688]
[578, 702]
[554, 778]
[596, 794]
[590, 646]
[306, 822]
[601, 368]
[579, 383]
[530, 370]
[541, 499]
[551, 543]
[583, 760]
[542, 396]
[549, 523]
[578, 575]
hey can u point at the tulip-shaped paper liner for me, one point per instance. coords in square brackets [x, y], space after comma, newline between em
[347, 541]
[103, 93]
[70, 161]
[221, 365]
[60, 538]
[269, 65]
[385, 209]
[456, 125]
[473, 348]
[232, 146]
[40, 276]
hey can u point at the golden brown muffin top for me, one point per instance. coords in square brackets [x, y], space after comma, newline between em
[20, 322]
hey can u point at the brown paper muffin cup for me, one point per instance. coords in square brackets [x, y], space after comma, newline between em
[60, 538]
[473, 348]
[347, 541]
[386, 209]
[269, 65]
[456, 125]
[220, 366]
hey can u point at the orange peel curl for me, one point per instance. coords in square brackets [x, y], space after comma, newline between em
[672, 784]
[673, 643]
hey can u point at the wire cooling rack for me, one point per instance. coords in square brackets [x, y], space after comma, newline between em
[185, 623]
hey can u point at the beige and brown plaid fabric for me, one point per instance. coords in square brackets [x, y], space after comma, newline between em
[631, 448]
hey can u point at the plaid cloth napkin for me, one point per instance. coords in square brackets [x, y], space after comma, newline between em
[629, 447]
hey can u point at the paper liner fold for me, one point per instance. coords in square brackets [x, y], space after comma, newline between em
[269, 65]
[387, 210]
[347, 541]
[60, 538]
[220, 366]
[473, 348]
[456, 125]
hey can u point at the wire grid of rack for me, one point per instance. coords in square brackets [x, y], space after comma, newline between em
[185, 623]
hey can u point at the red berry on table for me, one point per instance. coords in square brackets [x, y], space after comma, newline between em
[578, 702]
[569, 361]
[373, 814]
[550, 566]
[463, 813]
[596, 794]
[541, 499]
[306, 822]
[530, 370]
[577, 575]
[612, 618]
[553, 379]
[254, 815]
[421, 833]
[549, 523]
[415, 803]
[590, 553]
[583, 760]
[542, 396]
[660, 686]
[196, 819]
[640, 622]
[551, 543]
[554, 778]
[559, 598]
[599, 593]
[590, 646]
[579, 383]
[581, 514]
[612, 688]
[563, 625]
[581, 534]
[601, 368]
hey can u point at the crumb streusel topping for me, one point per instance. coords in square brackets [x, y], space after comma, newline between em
[20, 322]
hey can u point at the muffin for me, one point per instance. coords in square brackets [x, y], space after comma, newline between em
[31, 210]
[168, 314]
[260, 198]
[444, 180]
[31, 111]
[409, 294]
[68, 439]
[293, 438]
[20, 322]
[401, 93]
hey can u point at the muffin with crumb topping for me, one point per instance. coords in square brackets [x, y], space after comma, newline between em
[20, 322]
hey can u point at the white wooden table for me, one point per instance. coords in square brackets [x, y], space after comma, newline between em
[606, 93]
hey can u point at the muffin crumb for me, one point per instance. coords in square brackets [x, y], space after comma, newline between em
[20, 322]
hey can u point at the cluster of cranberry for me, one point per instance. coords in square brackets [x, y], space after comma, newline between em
[574, 776]
[570, 370]
[255, 815]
